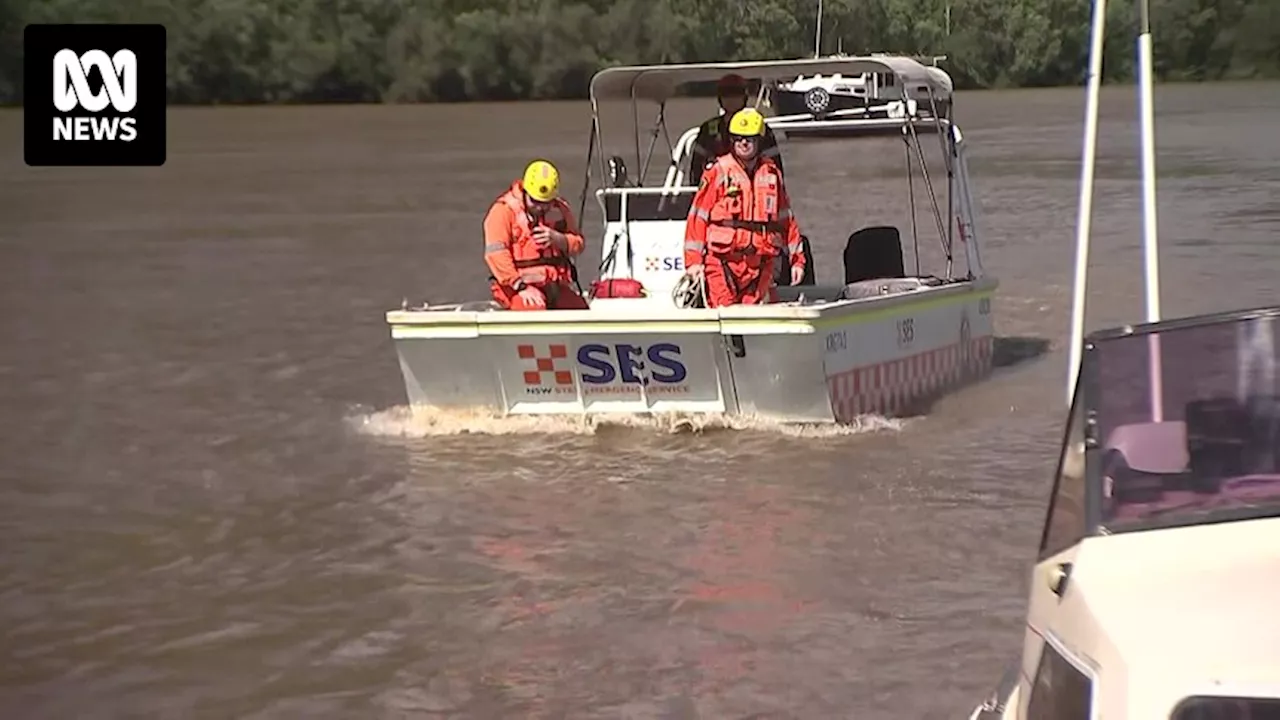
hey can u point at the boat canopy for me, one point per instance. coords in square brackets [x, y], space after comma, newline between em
[658, 83]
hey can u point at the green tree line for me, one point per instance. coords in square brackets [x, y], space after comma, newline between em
[251, 51]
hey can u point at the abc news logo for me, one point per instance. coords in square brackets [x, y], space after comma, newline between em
[94, 94]
[71, 90]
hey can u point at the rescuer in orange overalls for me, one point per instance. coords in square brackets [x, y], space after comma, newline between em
[740, 218]
[530, 236]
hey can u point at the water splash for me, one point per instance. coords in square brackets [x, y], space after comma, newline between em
[404, 422]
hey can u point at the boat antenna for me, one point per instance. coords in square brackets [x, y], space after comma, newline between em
[1151, 255]
[817, 34]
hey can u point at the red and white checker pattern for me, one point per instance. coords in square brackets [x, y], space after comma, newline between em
[546, 364]
[890, 387]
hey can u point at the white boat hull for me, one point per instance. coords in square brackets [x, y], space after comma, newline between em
[819, 363]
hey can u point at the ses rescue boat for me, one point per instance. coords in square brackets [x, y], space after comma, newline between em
[1157, 581]
[876, 340]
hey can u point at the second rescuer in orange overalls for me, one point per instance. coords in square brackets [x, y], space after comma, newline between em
[740, 218]
[530, 238]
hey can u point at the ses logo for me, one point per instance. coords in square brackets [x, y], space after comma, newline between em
[94, 94]
[663, 264]
[605, 369]
[625, 368]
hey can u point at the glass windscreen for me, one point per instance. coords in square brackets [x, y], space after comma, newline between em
[1209, 451]
[1065, 524]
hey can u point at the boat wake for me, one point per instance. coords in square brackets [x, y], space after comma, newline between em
[402, 422]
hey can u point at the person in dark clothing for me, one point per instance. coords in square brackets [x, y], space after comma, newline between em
[713, 135]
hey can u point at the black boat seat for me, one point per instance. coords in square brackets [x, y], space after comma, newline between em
[873, 253]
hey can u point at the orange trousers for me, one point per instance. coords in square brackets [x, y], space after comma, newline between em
[734, 283]
[559, 296]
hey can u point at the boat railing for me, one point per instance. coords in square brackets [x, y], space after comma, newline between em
[646, 204]
[676, 173]
[670, 201]
[651, 190]
[681, 150]
[850, 120]
[889, 106]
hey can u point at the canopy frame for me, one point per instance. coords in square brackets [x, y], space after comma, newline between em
[659, 83]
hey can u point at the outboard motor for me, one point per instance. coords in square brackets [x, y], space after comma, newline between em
[617, 172]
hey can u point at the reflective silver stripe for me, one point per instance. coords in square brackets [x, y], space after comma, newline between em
[795, 248]
[493, 247]
[784, 214]
[700, 213]
[694, 245]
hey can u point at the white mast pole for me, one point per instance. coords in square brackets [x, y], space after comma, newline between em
[1084, 216]
[1150, 237]
[817, 34]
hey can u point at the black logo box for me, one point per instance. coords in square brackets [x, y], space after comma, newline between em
[41, 43]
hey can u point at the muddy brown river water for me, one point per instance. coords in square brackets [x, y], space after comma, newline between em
[212, 505]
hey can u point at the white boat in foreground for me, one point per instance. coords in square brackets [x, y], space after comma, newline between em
[1156, 591]
[871, 339]
[1156, 588]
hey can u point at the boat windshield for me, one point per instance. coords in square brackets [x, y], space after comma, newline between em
[1207, 451]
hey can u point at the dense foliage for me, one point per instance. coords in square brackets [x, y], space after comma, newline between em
[424, 50]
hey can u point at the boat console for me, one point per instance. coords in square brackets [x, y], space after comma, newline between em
[1222, 453]
[1199, 439]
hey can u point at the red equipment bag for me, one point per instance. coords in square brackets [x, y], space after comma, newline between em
[617, 288]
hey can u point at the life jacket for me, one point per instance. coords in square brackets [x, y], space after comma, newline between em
[714, 140]
[537, 267]
[744, 220]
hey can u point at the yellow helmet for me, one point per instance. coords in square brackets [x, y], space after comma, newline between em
[541, 180]
[747, 122]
